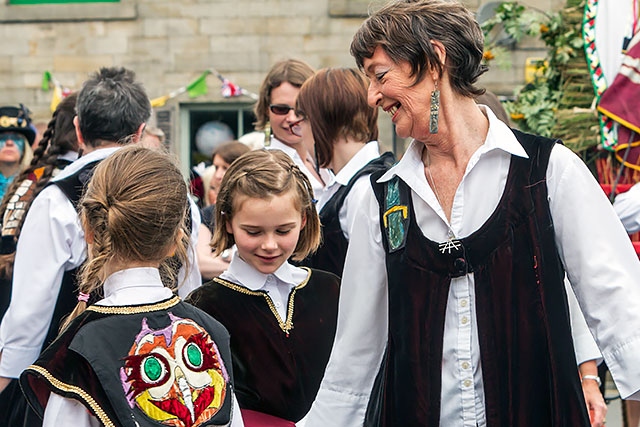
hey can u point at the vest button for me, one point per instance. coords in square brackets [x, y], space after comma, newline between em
[460, 265]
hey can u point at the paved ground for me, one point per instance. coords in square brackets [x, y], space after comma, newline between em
[614, 412]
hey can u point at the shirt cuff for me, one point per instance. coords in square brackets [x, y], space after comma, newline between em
[622, 363]
[16, 360]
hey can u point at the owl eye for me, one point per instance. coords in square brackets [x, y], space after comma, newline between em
[193, 356]
[153, 369]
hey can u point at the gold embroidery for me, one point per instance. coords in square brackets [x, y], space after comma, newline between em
[134, 310]
[287, 325]
[83, 395]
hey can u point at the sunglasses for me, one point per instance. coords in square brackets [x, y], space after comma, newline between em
[280, 109]
[18, 139]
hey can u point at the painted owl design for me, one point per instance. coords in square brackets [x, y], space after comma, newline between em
[175, 375]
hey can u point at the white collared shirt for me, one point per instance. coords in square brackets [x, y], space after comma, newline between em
[595, 250]
[278, 285]
[131, 286]
[317, 186]
[52, 242]
[352, 202]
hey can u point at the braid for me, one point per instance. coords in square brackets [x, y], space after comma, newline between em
[58, 138]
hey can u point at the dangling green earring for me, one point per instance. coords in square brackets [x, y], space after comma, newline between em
[435, 109]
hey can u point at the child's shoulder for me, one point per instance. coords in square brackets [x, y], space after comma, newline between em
[315, 274]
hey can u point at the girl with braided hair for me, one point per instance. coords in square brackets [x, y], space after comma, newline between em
[282, 318]
[139, 356]
[57, 149]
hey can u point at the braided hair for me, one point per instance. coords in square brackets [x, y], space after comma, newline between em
[58, 139]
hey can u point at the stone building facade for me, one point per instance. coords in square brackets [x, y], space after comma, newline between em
[168, 43]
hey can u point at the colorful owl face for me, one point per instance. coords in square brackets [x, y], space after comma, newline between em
[175, 375]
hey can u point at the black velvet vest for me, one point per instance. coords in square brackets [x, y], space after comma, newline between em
[331, 254]
[528, 363]
[102, 359]
[277, 367]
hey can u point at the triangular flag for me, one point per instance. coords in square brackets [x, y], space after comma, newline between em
[199, 86]
[160, 101]
[46, 80]
[229, 89]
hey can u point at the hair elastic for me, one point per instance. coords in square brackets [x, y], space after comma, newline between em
[83, 297]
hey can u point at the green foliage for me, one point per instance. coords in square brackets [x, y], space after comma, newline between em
[534, 109]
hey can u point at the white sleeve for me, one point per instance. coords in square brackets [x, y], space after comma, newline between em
[61, 411]
[601, 264]
[627, 207]
[189, 278]
[355, 200]
[236, 416]
[361, 333]
[585, 347]
[50, 243]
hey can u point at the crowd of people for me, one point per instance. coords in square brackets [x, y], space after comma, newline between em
[477, 281]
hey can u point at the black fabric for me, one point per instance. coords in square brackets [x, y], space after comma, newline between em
[276, 373]
[91, 354]
[208, 215]
[331, 254]
[529, 369]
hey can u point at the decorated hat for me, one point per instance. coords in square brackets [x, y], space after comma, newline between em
[16, 119]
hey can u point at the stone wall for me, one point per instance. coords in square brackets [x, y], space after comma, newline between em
[170, 42]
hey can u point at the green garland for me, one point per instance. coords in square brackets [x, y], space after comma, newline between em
[556, 103]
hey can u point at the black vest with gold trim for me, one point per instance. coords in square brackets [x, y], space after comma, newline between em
[278, 363]
[161, 364]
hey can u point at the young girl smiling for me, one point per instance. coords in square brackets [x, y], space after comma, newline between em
[282, 318]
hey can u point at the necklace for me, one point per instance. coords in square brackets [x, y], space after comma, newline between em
[452, 244]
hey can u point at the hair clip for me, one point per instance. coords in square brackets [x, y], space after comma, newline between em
[314, 201]
[83, 297]
[223, 213]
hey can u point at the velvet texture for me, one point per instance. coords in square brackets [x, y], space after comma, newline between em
[276, 373]
[528, 363]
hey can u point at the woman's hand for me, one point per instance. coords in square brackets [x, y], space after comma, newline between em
[591, 389]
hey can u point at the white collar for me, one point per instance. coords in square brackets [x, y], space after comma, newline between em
[499, 137]
[99, 154]
[145, 277]
[242, 273]
[276, 144]
[367, 153]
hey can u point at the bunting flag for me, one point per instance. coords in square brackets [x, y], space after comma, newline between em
[199, 87]
[50, 83]
[619, 103]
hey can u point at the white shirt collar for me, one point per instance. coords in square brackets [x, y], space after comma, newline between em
[242, 273]
[99, 154]
[276, 144]
[499, 137]
[131, 286]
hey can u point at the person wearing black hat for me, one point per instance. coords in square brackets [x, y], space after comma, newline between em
[16, 137]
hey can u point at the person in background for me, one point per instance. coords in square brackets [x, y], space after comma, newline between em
[153, 137]
[138, 353]
[57, 148]
[281, 318]
[478, 224]
[212, 265]
[627, 207]
[336, 117]
[275, 112]
[51, 247]
[16, 137]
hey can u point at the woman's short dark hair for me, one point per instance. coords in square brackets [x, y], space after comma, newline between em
[406, 31]
[334, 100]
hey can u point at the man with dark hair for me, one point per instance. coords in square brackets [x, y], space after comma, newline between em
[112, 110]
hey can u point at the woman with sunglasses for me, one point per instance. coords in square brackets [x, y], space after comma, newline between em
[335, 114]
[275, 112]
[16, 137]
